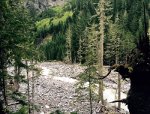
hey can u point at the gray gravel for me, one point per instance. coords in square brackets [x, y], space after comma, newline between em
[55, 88]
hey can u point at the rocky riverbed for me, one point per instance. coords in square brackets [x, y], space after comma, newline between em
[54, 89]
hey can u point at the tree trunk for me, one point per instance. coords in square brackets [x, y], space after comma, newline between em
[4, 87]
[28, 87]
[4, 76]
[3, 72]
[119, 78]
[32, 90]
[119, 91]
[16, 82]
[101, 48]
[90, 95]
[3, 61]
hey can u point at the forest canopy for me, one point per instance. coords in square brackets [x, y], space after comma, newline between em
[124, 22]
[89, 32]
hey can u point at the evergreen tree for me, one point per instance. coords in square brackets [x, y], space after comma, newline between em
[17, 43]
[102, 26]
[68, 44]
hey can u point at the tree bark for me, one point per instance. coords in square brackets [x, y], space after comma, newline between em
[33, 90]
[4, 87]
[119, 78]
[28, 87]
[101, 49]
[119, 91]
[90, 95]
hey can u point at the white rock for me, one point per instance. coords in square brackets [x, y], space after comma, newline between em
[41, 112]
[46, 106]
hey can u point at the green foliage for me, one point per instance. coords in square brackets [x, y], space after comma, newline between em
[123, 22]
[70, 29]
[79, 39]
[68, 45]
[87, 85]
[43, 24]
[17, 37]
[55, 48]
[59, 112]
[82, 16]
[52, 17]
[58, 9]
[23, 110]
[91, 49]
[46, 23]
[63, 18]
[78, 17]
[48, 13]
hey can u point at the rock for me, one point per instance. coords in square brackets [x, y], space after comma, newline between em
[46, 106]
[42, 113]
[56, 90]
[41, 5]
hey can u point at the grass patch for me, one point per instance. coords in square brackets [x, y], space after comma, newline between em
[47, 22]
[58, 9]
[43, 24]
[56, 20]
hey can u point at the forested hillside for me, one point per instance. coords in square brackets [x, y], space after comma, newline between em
[123, 21]
[98, 35]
